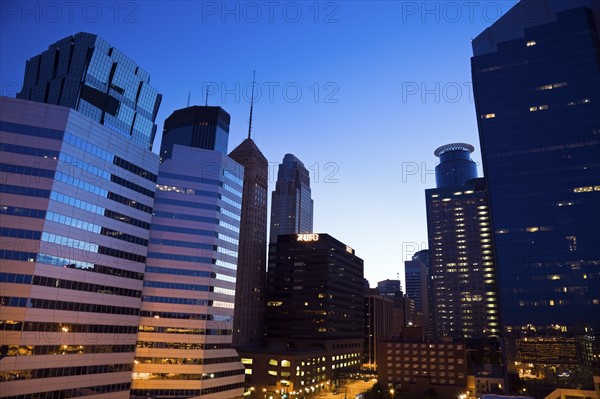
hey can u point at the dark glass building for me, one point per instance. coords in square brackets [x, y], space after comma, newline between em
[250, 296]
[389, 287]
[462, 268]
[198, 127]
[86, 73]
[536, 79]
[456, 165]
[315, 289]
[291, 205]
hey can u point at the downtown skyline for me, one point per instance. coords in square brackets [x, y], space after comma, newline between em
[371, 64]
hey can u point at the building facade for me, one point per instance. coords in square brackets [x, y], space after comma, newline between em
[314, 289]
[416, 279]
[184, 346]
[250, 296]
[76, 202]
[379, 324]
[538, 128]
[462, 266]
[417, 368]
[86, 73]
[291, 204]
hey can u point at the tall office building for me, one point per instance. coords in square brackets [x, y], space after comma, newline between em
[537, 94]
[86, 73]
[415, 275]
[315, 289]
[424, 257]
[75, 204]
[379, 324]
[250, 296]
[291, 204]
[198, 127]
[462, 267]
[389, 287]
[184, 346]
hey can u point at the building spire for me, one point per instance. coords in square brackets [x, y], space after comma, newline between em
[206, 98]
[251, 104]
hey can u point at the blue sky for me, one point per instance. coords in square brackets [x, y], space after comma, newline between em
[361, 92]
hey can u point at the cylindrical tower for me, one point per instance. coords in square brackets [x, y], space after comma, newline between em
[456, 165]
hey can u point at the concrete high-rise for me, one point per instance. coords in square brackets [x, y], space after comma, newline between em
[76, 202]
[186, 321]
[462, 267]
[86, 73]
[250, 296]
[291, 205]
[537, 94]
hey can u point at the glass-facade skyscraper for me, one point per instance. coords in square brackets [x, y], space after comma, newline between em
[184, 346]
[461, 253]
[291, 205]
[76, 203]
[86, 73]
[536, 79]
[196, 126]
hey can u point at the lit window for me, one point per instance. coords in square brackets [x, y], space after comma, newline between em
[488, 116]
[531, 43]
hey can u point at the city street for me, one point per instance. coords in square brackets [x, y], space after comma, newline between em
[351, 390]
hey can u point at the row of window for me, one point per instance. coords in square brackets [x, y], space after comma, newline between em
[31, 130]
[136, 170]
[129, 202]
[76, 264]
[8, 325]
[177, 286]
[87, 246]
[175, 301]
[34, 350]
[26, 170]
[38, 303]
[181, 345]
[22, 212]
[184, 316]
[88, 170]
[184, 393]
[185, 272]
[187, 360]
[20, 233]
[86, 206]
[36, 152]
[195, 218]
[64, 371]
[187, 376]
[183, 244]
[90, 148]
[177, 257]
[233, 178]
[184, 330]
[75, 392]
[25, 191]
[196, 205]
[195, 179]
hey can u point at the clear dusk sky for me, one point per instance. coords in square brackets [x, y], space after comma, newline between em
[361, 92]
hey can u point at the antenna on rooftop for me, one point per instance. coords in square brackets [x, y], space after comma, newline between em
[251, 104]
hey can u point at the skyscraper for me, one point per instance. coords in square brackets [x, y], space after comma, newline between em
[464, 293]
[415, 276]
[75, 204]
[315, 289]
[389, 287]
[198, 127]
[184, 346]
[538, 128]
[86, 73]
[291, 205]
[250, 296]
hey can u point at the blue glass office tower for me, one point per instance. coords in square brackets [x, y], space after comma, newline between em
[86, 73]
[184, 346]
[197, 126]
[291, 204]
[536, 79]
